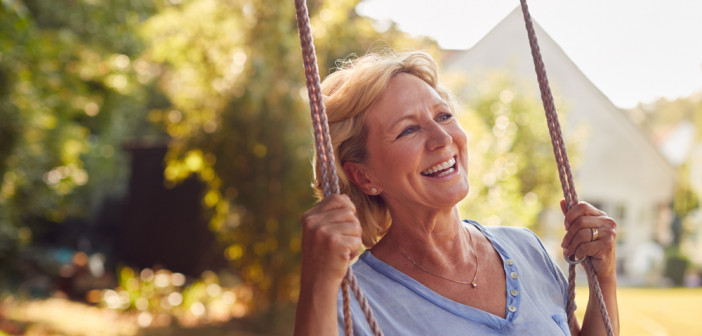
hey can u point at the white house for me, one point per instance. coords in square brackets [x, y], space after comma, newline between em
[620, 169]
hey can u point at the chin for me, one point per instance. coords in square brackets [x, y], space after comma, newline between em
[453, 198]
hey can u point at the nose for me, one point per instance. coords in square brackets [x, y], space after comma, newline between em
[438, 137]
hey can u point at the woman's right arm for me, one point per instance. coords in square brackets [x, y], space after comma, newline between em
[331, 238]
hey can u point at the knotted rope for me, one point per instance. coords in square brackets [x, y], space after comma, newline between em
[325, 157]
[564, 173]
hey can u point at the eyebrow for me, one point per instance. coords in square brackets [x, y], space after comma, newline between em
[412, 116]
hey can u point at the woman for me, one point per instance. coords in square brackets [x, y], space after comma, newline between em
[403, 166]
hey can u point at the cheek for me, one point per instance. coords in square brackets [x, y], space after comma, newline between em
[460, 137]
[400, 158]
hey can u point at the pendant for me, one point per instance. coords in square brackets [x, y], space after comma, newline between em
[474, 284]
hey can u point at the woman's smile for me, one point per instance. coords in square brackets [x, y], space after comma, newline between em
[442, 169]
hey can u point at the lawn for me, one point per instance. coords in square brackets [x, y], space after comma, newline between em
[643, 312]
[655, 312]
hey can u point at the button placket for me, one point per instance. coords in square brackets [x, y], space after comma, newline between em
[513, 286]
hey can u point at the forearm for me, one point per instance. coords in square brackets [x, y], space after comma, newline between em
[317, 308]
[592, 322]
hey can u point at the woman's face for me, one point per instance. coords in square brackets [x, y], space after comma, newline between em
[417, 152]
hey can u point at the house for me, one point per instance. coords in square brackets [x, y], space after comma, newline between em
[620, 169]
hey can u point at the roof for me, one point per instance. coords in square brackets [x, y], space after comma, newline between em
[619, 158]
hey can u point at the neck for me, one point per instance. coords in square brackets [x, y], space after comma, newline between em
[436, 224]
[431, 238]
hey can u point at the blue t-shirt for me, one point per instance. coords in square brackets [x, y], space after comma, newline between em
[536, 295]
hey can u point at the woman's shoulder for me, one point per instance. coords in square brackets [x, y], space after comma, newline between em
[506, 233]
[513, 240]
[524, 246]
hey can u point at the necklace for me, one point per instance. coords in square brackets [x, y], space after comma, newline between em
[472, 283]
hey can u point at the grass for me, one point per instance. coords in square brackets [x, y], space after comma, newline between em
[655, 312]
[642, 311]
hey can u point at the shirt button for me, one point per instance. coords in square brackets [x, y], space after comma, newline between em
[514, 275]
[512, 308]
[509, 262]
[514, 292]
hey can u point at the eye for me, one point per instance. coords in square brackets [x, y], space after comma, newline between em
[407, 131]
[444, 116]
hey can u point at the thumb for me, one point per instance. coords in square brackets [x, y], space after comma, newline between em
[563, 206]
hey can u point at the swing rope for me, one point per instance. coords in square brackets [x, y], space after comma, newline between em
[330, 182]
[325, 157]
[571, 197]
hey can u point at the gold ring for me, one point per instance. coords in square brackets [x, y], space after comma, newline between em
[595, 234]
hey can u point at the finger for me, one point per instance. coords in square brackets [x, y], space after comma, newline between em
[563, 206]
[576, 239]
[339, 201]
[582, 228]
[337, 249]
[596, 249]
[584, 236]
[349, 245]
[341, 221]
[336, 201]
[357, 248]
[579, 210]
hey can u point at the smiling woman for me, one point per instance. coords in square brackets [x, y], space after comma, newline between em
[350, 92]
[416, 150]
[402, 162]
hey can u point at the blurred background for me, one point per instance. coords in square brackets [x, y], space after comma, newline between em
[155, 156]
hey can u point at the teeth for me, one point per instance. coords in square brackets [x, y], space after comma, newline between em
[446, 172]
[441, 166]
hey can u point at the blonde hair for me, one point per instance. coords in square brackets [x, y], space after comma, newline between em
[348, 94]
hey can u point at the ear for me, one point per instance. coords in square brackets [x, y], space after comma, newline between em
[356, 172]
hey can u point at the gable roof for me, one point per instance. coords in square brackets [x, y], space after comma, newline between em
[618, 155]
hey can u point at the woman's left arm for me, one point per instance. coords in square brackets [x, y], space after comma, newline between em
[590, 233]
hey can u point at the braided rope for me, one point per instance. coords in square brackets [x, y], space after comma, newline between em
[348, 323]
[325, 156]
[564, 172]
[324, 149]
[375, 328]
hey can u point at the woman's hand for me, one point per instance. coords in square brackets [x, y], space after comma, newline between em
[331, 238]
[590, 233]
[581, 240]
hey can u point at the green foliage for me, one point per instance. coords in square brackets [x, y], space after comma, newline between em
[512, 170]
[685, 198]
[660, 118]
[662, 115]
[70, 94]
[676, 265]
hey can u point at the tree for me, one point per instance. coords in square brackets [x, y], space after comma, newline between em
[70, 94]
[512, 170]
[233, 72]
[661, 118]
